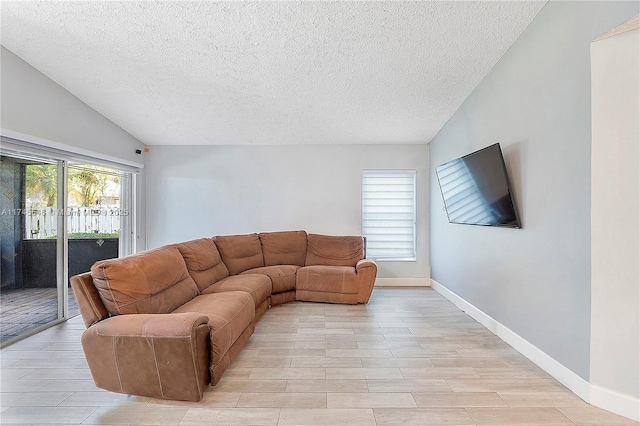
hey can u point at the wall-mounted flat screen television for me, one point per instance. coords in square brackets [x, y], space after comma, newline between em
[476, 189]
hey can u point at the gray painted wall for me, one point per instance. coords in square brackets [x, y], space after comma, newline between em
[199, 191]
[35, 105]
[536, 103]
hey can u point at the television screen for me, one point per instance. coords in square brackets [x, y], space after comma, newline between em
[476, 189]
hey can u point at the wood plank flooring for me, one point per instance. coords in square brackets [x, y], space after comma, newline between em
[409, 357]
[26, 309]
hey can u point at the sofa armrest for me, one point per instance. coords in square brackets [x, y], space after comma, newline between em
[91, 307]
[366, 263]
[151, 325]
[163, 356]
[367, 270]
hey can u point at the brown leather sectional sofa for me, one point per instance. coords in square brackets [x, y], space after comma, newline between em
[167, 322]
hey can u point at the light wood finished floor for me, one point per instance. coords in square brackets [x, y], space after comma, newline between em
[408, 358]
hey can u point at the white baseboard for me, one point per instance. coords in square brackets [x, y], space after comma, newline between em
[403, 282]
[615, 402]
[571, 380]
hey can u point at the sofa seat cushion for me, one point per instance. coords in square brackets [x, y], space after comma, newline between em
[203, 261]
[333, 250]
[284, 248]
[258, 286]
[229, 313]
[329, 284]
[283, 277]
[240, 252]
[150, 282]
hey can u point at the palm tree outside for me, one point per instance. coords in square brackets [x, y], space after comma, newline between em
[42, 185]
[92, 192]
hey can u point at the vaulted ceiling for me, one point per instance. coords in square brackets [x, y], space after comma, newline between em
[225, 73]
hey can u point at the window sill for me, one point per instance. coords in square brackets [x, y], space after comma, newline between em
[386, 259]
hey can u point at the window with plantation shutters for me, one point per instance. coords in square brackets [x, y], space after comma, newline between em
[389, 214]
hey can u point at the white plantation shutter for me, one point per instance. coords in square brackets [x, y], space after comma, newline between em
[389, 214]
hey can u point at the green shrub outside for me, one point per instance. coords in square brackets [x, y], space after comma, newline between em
[87, 235]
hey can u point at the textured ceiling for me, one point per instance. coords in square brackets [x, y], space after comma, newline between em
[225, 73]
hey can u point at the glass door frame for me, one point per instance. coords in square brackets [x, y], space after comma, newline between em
[61, 256]
[63, 242]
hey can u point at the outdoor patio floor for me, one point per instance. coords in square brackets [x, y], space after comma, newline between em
[26, 309]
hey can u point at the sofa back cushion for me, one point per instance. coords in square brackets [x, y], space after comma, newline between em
[334, 250]
[240, 252]
[203, 262]
[151, 282]
[284, 248]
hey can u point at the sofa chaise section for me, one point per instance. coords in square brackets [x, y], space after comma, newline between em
[335, 271]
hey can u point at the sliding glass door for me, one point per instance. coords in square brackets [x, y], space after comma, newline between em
[57, 218]
[31, 277]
